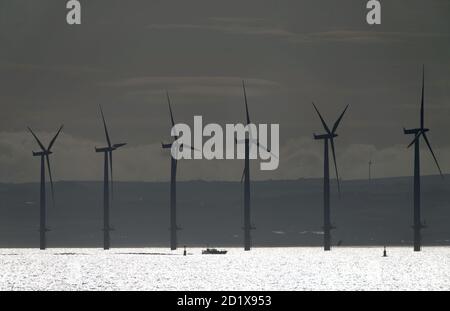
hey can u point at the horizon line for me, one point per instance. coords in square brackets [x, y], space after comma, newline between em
[229, 181]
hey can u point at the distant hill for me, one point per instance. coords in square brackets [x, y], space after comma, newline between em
[285, 213]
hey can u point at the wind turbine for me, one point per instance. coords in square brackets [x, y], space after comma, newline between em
[173, 183]
[173, 186]
[108, 167]
[328, 138]
[45, 158]
[419, 132]
[246, 176]
[248, 142]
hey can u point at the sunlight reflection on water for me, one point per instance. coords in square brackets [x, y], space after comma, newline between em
[345, 268]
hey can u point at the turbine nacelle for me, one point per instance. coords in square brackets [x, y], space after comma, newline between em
[42, 153]
[325, 136]
[415, 131]
[104, 149]
[109, 149]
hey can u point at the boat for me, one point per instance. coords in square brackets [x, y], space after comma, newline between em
[213, 251]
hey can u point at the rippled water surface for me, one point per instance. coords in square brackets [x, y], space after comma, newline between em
[261, 269]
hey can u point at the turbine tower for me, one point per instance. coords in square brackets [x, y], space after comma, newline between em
[328, 138]
[45, 158]
[246, 176]
[108, 168]
[419, 132]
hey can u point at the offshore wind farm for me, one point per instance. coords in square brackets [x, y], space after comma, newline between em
[274, 198]
[189, 125]
[376, 201]
[247, 135]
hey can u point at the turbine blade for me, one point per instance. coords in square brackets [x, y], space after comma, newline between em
[37, 139]
[54, 138]
[415, 139]
[51, 179]
[335, 165]
[432, 153]
[246, 103]
[117, 146]
[336, 124]
[422, 112]
[243, 175]
[325, 126]
[106, 128]
[111, 170]
[170, 109]
[258, 144]
[189, 147]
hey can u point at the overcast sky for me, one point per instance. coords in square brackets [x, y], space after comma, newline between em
[126, 53]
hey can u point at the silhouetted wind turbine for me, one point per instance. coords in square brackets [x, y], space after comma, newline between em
[418, 132]
[248, 141]
[108, 167]
[246, 176]
[328, 138]
[173, 186]
[45, 158]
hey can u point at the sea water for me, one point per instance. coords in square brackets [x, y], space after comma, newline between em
[299, 268]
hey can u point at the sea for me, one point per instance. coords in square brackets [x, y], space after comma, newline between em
[261, 269]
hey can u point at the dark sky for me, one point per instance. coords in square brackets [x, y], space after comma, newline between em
[126, 53]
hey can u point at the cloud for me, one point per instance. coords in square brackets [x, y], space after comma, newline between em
[357, 36]
[55, 69]
[230, 25]
[72, 157]
[75, 159]
[303, 158]
[263, 27]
